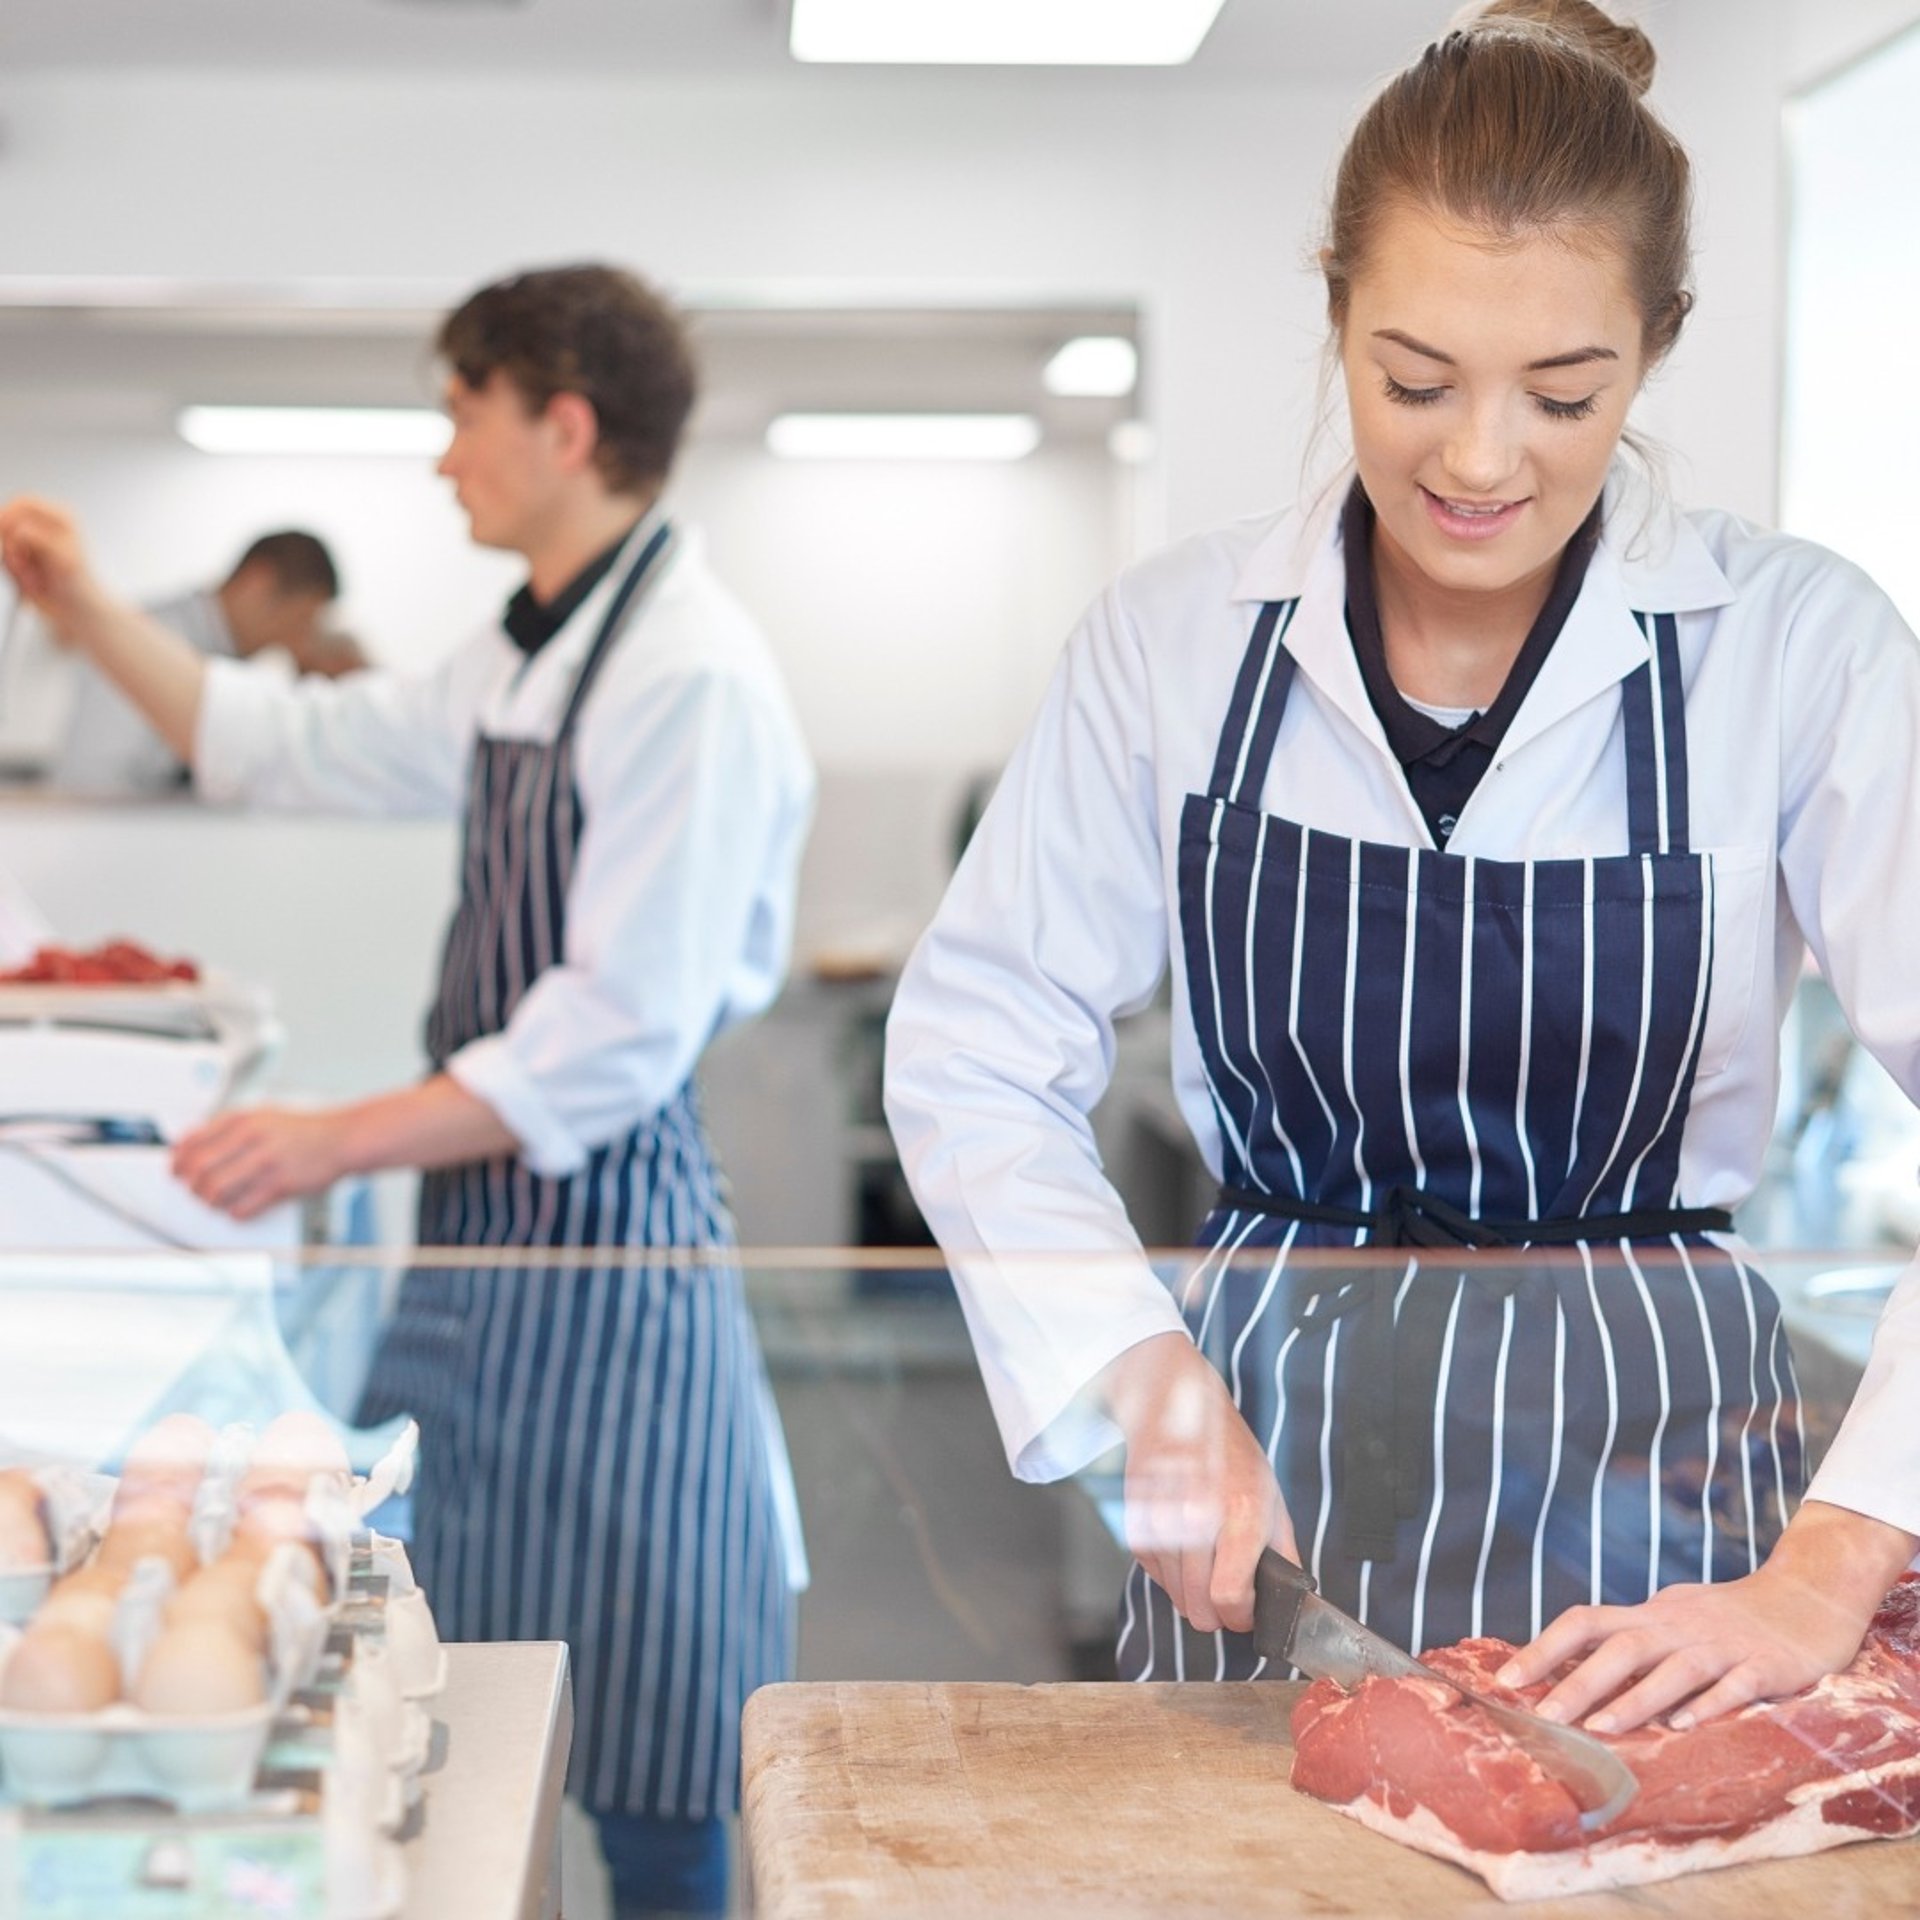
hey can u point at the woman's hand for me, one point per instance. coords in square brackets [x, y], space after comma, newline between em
[1201, 1498]
[1716, 1648]
[243, 1163]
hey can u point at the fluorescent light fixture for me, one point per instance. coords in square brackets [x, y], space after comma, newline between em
[1002, 33]
[1095, 367]
[412, 431]
[903, 436]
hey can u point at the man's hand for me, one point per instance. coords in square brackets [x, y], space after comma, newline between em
[1707, 1650]
[41, 547]
[243, 1163]
[158, 670]
[1202, 1502]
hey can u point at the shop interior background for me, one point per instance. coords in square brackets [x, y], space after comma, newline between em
[202, 201]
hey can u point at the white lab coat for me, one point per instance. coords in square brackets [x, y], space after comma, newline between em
[1803, 714]
[696, 789]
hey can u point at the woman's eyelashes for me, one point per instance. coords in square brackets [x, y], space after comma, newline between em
[1567, 409]
[1411, 396]
[1406, 396]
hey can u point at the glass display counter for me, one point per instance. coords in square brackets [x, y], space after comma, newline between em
[1643, 1418]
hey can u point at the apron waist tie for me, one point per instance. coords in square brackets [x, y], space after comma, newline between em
[1412, 1217]
[1394, 1377]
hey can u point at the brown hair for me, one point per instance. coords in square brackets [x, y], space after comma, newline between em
[299, 562]
[595, 331]
[1527, 119]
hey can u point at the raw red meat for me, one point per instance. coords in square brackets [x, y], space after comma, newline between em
[119, 963]
[1836, 1763]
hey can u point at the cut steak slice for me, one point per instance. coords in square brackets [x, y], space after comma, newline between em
[1413, 1760]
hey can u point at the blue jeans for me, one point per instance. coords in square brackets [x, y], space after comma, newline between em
[661, 1867]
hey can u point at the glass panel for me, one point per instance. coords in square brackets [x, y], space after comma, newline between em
[1640, 1420]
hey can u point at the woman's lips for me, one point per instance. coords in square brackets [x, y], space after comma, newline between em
[1471, 520]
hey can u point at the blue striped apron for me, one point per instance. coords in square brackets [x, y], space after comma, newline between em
[594, 1467]
[1419, 1051]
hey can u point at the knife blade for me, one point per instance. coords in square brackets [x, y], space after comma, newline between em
[1293, 1626]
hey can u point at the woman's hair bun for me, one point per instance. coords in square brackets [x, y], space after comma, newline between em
[1578, 22]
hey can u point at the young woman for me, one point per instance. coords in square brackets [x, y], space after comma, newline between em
[1482, 810]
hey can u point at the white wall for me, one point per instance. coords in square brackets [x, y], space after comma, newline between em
[917, 609]
[1201, 206]
[1852, 416]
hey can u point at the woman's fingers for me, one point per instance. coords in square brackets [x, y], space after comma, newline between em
[1197, 1565]
[1741, 1685]
[1618, 1659]
[1669, 1681]
[1574, 1633]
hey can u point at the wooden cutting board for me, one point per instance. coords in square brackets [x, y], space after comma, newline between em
[1129, 1801]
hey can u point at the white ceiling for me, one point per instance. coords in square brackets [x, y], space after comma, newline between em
[1260, 40]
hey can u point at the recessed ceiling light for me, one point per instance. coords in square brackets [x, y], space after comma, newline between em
[903, 436]
[1097, 366]
[1132, 442]
[412, 431]
[1069, 33]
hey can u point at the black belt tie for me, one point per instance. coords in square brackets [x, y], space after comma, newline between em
[1387, 1434]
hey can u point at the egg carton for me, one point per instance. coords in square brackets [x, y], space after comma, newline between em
[404, 1621]
[76, 1506]
[216, 1505]
[208, 1762]
[195, 1762]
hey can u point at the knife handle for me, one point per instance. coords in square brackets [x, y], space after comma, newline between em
[1280, 1586]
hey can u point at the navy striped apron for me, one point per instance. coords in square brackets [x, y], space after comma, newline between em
[1419, 1051]
[593, 1463]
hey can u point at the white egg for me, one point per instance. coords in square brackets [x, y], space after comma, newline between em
[181, 1443]
[202, 1667]
[131, 1541]
[222, 1594]
[59, 1670]
[84, 1609]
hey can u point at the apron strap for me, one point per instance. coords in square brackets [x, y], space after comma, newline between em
[623, 599]
[1259, 702]
[1654, 706]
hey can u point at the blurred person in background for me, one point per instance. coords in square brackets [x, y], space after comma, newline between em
[600, 1460]
[273, 603]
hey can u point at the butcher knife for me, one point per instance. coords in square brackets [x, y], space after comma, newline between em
[1294, 1627]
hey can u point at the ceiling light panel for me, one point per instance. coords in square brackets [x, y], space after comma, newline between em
[413, 432]
[1094, 367]
[1001, 33]
[903, 436]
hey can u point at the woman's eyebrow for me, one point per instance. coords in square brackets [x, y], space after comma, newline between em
[1578, 357]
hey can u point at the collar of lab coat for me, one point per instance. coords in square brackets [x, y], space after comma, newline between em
[1649, 559]
[576, 635]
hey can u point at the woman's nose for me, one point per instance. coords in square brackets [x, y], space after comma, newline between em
[1484, 451]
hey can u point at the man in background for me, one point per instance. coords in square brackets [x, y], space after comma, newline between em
[274, 601]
